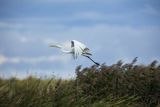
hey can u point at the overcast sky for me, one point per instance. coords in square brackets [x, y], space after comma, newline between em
[112, 29]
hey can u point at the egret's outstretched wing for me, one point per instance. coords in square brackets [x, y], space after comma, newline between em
[77, 48]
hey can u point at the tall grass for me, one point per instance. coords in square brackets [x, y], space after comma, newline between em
[119, 85]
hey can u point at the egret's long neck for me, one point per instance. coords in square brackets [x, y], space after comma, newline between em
[66, 50]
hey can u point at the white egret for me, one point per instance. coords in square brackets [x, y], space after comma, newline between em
[76, 49]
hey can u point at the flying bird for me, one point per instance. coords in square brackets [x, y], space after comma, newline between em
[76, 49]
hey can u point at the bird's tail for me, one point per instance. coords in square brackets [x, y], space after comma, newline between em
[86, 51]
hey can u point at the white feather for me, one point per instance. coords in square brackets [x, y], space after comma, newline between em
[76, 49]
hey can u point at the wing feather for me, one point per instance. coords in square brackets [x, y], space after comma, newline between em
[78, 48]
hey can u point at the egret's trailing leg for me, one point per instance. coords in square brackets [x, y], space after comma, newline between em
[92, 60]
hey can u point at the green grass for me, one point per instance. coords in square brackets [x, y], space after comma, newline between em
[119, 85]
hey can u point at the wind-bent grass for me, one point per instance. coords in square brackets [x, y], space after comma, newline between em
[119, 85]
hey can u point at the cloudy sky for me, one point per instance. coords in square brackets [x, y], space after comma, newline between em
[112, 29]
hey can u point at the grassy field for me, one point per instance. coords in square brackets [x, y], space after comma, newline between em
[119, 85]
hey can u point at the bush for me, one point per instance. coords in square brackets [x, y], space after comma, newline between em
[118, 80]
